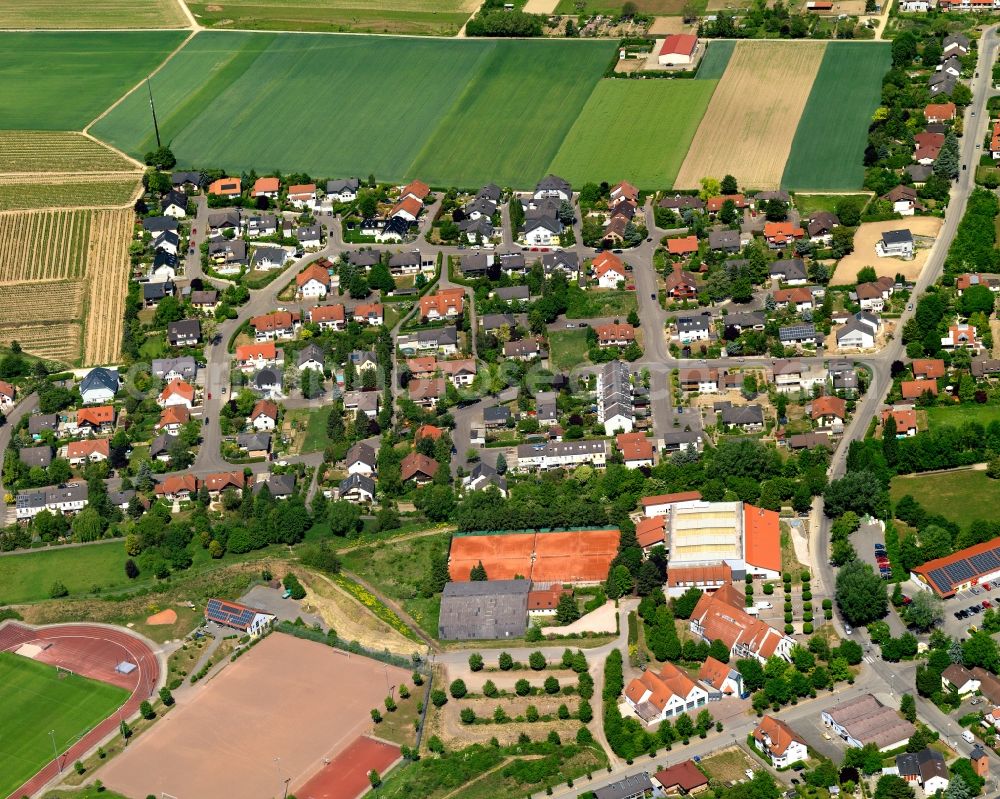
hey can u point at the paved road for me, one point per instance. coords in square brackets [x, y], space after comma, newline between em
[26, 406]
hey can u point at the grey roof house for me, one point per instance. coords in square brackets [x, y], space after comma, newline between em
[484, 610]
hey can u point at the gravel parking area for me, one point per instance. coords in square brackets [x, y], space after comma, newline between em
[270, 600]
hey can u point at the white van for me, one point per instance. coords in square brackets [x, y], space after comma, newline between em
[968, 736]
[764, 605]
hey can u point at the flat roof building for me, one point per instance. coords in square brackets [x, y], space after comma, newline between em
[484, 610]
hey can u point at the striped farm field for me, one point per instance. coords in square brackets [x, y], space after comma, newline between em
[45, 245]
[829, 145]
[107, 274]
[85, 191]
[748, 128]
[33, 151]
[60, 14]
[45, 302]
[57, 341]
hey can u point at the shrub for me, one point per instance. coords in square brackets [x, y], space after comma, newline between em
[537, 661]
[146, 710]
[563, 712]
[521, 687]
[376, 715]
[418, 678]
[458, 689]
[827, 604]
[500, 715]
[551, 685]
[807, 616]
[404, 692]
[438, 697]
[476, 661]
[828, 614]
[807, 606]
[789, 629]
[805, 576]
[807, 628]
[788, 607]
[768, 589]
[531, 713]
[788, 618]
[506, 662]
[807, 595]
[78, 766]
[490, 689]
[58, 590]
[390, 704]
[786, 577]
[468, 715]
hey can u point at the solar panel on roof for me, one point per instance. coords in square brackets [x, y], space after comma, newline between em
[231, 615]
[985, 561]
[959, 571]
[940, 579]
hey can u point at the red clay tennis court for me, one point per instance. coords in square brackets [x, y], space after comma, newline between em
[278, 712]
[570, 556]
[346, 776]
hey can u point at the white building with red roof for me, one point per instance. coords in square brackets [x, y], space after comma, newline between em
[678, 50]
[656, 696]
[720, 616]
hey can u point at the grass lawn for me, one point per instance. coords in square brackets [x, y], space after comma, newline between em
[634, 109]
[397, 726]
[33, 701]
[155, 346]
[61, 81]
[106, 14]
[959, 414]
[567, 348]
[314, 439]
[584, 304]
[520, 96]
[961, 495]
[809, 204]
[398, 570]
[716, 59]
[432, 17]
[829, 144]
[28, 577]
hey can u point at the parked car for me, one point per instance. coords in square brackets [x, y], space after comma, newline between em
[906, 600]
[974, 590]
[986, 603]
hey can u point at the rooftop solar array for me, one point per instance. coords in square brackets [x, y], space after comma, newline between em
[229, 614]
[963, 570]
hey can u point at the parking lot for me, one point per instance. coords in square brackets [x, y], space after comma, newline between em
[966, 608]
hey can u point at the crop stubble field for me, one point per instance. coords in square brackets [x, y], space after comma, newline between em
[433, 17]
[829, 145]
[32, 151]
[60, 191]
[654, 142]
[60, 14]
[748, 128]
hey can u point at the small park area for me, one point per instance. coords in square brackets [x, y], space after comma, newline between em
[961, 495]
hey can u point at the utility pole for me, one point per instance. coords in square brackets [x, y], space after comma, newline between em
[156, 126]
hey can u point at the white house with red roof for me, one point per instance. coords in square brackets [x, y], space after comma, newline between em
[302, 195]
[664, 503]
[779, 742]
[656, 696]
[7, 393]
[176, 392]
[609, 270]
[313, 281]
[252, 357]
[720, 615]
[678, 50]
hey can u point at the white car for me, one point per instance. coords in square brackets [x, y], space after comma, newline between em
[764, 605]
[749, 773]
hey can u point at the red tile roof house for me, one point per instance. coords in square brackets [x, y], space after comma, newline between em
[609, 270]
[686, 245]
[615, 335]
[418, 468]
[415, 189]
[678, 50]
[636, 449]
[370, 313]
[266, 187]
[682, 778]
[176, 392]
[906, 421]
[217, 483]
[939, 112]
[172, 419]
[313, 281]
[428, 391]
[328, 317]
[829, 411]
[264, 415]
[624, 192]
[662, 503]
[226, 187]
[446, 302]
[89, 451]
[912, 389]
[778, 234]
[651, 532]
[681, 285]
[545, 601]
[800, 298]
[995, 141]
[961, 335]
[721, 615]
[177, 487]
[928, 368]
[252, 357]
[714, 204]
[7, 393]
[408, 208]
[302, 195]
[970, 279]
[721, 676]
[777, 740]
[98, 418]
[281, 324]
[655, 696]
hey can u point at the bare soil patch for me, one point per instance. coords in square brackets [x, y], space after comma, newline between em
[864, 250]
[748, 128]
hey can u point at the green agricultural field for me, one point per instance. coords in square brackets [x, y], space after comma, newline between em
[656, 118]
[57, 151]
[28, 577]
[62, 81]
[451, 112]
[59, 14]
[513, 115]
[433, 17]
[35, 700]
[961, 495]
[829, 144]
[609, 7]
[716, 59]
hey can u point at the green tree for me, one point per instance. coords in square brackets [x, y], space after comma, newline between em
[536, 660]
[567, 610]
[475, 662]
[860, 593]
[458, 689]
[908, 707]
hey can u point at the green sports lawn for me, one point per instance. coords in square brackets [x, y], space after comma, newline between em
[829, 144]
[35, 700]
[62, 81]
[634, 130]
[458, 112]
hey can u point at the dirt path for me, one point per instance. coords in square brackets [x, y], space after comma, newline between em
[408, 537]
[195, 25]
[395, 608]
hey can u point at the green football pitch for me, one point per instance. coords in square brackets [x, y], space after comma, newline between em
[34, 700]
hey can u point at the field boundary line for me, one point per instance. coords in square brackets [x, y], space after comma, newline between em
[120, 100]
[195, 25]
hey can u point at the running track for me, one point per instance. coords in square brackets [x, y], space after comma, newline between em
[91, 651]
